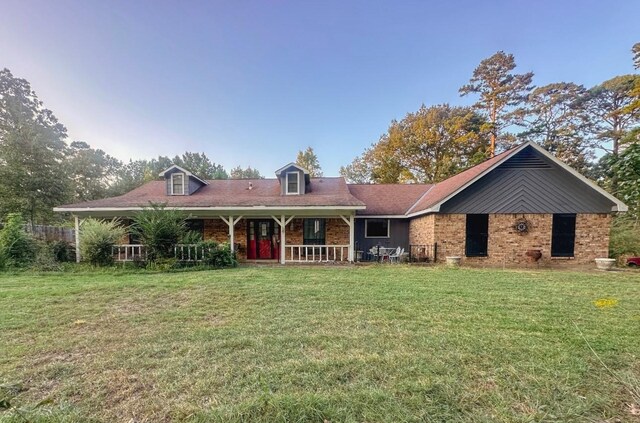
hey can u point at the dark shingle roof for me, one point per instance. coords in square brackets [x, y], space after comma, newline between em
[231, 193]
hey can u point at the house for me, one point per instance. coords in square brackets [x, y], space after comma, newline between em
[510, 209]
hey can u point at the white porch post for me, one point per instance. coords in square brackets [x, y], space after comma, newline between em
[231, 234]
[352, 243]
[283, 238]
[350, 222]
[231, 223]
[77, 222]
[282, 222]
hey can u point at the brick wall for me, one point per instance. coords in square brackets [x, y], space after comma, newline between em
[508, 247]
[337, 232]
[421, 230]
[217, 230]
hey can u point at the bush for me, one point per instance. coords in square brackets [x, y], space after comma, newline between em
[97, 238]
[218, 255]
[17, 248]
[625, 238]
[46, 259]
[63, 251]
[159, 230]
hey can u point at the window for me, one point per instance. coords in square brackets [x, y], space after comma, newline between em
[314, 232]
[376, 228]
[477, 235]
[293, 183]
[563, 235]
[177, 184]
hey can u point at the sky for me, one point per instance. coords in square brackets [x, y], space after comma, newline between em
[252, 82]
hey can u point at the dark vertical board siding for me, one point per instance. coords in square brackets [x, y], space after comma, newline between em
[528, 183]
[398, 236]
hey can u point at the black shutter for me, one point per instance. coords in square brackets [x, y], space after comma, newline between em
[477, 235]
[563, 235]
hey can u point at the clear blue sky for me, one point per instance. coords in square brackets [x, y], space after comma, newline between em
[252, 82]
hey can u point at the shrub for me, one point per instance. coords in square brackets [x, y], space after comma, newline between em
[159, 230]
[97, 238]
[46, 259]
[625, 238]
[218, 255]
[63, 251]
[17, 248]
[191, 237]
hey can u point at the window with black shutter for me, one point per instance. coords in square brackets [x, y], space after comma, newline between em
[563, 235]
[477, 235]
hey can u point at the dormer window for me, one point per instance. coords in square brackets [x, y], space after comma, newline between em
[293, 183]
[177, 184]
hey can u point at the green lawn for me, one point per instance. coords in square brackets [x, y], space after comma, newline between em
[337, 344]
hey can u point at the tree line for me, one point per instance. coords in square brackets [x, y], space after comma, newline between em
[595, 130]
[40, 168]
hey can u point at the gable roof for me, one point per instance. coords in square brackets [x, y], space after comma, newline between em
[397, 200]
[183, 170]
[227, 194]
[449, 188]
[285, 167]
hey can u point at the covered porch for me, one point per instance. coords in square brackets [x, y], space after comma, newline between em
[288, 236]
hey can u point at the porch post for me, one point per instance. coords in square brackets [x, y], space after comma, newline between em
[283, 231]
[77, 222]
[351, 239]
[231, 233]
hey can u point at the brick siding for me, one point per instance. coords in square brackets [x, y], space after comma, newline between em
[508, 247]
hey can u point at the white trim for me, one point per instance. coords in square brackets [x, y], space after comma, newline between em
[380, 216]
[250, 208]
[619, 205]
[183, 170]
[366, 224]
[292, 164]
[286, 184]
[183, 187]
[419, 199]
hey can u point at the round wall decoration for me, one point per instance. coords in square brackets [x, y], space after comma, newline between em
[522, 226]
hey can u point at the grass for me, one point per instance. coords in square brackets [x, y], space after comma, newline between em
[336, 344]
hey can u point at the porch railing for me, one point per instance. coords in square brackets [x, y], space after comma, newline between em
[316, 253]
[129, 252]
[138, 252]
[423, 253]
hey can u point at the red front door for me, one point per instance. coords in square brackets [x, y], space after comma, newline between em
[262, 241]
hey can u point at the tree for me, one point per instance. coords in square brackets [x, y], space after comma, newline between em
[608, 108]
[554, 118]
[201, 165]
[32, 151]
[308, 160]
[93, 172]
[501, 93]
[427, 146]
[627, 173]
[248, 173]
[636, 55]
[359, 170]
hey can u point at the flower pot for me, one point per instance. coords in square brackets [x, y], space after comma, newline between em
[453, 261]
[605, 263]
[534, 255]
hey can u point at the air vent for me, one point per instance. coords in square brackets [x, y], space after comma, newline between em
[526, 159]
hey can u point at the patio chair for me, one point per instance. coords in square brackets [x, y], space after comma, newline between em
[395, 257]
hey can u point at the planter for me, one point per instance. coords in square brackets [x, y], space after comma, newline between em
[605, 263]
[534, 255]
[453, 261]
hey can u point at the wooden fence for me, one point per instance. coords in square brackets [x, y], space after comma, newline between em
[52, 233]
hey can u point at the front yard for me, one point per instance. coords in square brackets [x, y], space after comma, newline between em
[337, 344]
